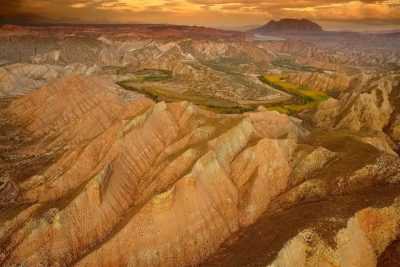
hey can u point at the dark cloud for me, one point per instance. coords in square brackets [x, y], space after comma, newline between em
[9, 7]
[12, 12]
[59, 11]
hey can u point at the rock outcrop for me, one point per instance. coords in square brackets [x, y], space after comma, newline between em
[185, 164]
[333, 177]
[333, 83]
[366, 110]
[124, 168]
[360, 243]
[21, 78]
[121, 168]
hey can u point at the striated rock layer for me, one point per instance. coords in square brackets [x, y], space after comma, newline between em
[360, 243]
[92, 175]
[370, 110]
[130, 179]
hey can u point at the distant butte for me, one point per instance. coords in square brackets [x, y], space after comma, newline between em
[289, 26]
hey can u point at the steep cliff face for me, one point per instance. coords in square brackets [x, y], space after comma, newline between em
[125, 168]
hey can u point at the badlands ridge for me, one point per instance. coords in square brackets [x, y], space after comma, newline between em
[128, 151]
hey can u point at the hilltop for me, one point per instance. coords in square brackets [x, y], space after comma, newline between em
[289, 25]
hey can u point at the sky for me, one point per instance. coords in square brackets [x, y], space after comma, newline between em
[359, 15]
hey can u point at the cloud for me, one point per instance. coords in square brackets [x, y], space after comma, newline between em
[366, 11]
[203, 12]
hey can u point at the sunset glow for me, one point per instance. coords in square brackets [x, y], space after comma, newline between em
[367, 14]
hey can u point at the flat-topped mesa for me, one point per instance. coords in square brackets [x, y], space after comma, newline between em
[129, 167]
[289, 26]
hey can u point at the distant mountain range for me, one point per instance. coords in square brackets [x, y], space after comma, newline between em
[289, 26]
[284, 28]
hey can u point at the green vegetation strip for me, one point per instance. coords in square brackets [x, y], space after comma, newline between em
[149, 75]
[157, 93]
[310, 98]
[154, 84]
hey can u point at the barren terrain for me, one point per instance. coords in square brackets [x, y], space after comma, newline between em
[159, 145]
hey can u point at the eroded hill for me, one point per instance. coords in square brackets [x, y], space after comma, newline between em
[119, 149]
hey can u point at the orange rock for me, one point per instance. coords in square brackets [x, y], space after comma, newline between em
[135, 178]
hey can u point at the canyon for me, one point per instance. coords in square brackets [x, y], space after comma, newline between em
[162, 145]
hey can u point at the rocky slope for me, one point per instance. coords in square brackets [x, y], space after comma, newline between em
[19, 79]
[369, 108]
[92, 174]
[334, 176]
[226, 69]
[331, 83]
[123, 165]
[371, 231]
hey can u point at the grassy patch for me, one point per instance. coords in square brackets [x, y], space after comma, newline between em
[155, 84]
[150, 75]
[310, 99]
[294, 108]
[303, 92]
[158, 93]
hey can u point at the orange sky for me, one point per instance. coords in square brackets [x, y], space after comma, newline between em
[332, 14]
